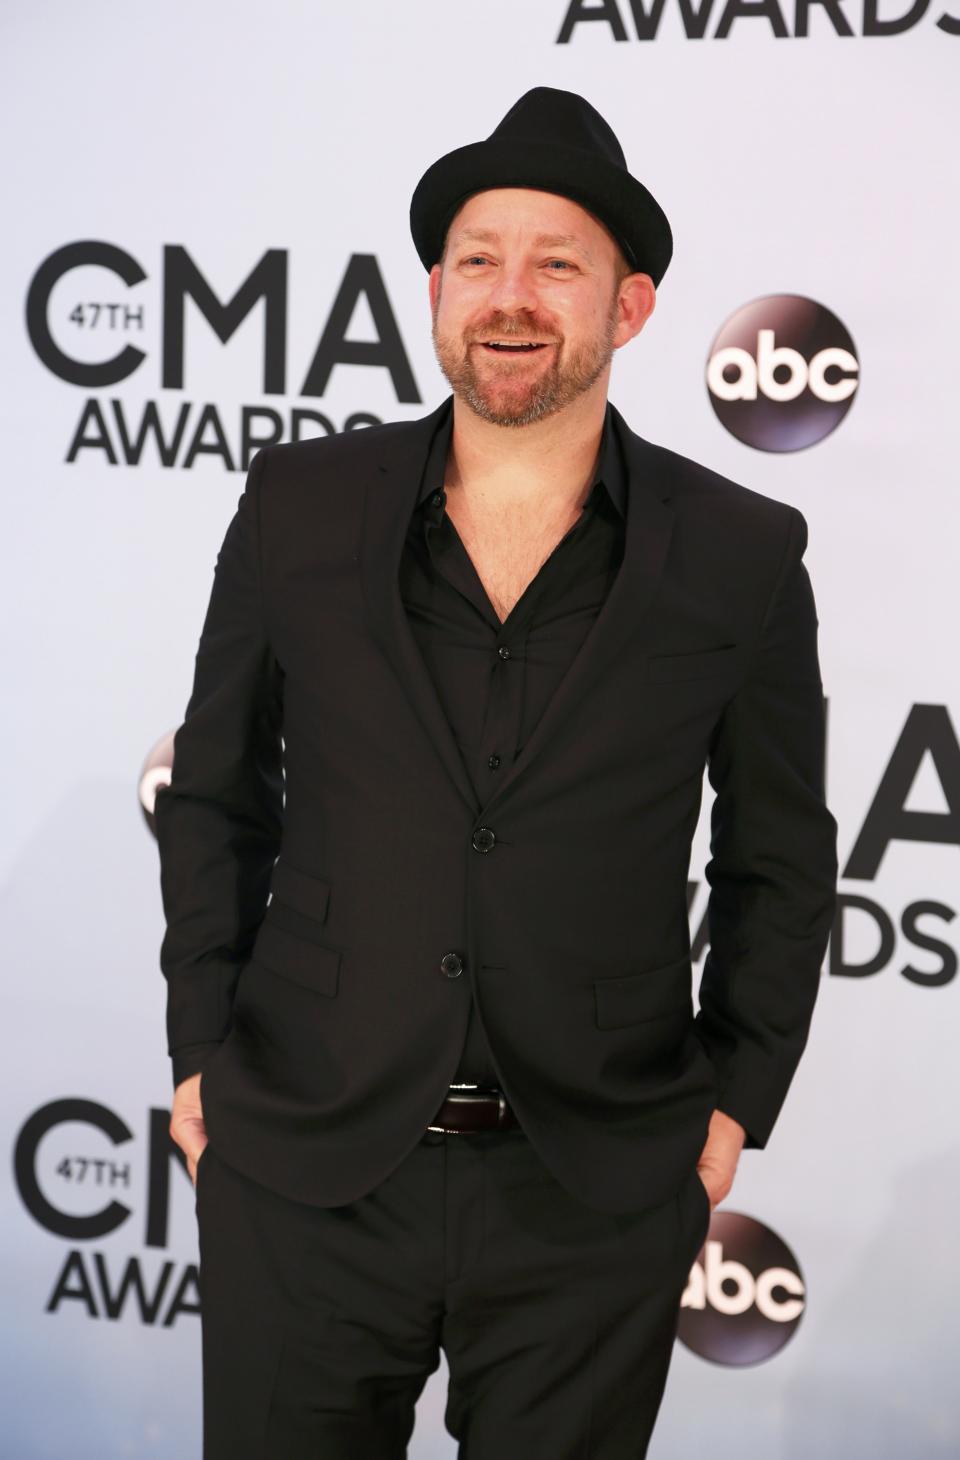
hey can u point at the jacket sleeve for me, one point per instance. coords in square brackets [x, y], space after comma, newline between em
[218, 822]
[773, 866]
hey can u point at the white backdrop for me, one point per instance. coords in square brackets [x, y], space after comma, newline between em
[788, 165]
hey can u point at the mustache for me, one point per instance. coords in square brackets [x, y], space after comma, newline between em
[502, 326]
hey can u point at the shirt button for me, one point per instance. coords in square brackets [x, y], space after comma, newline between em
[493, 761]
[504, 652]
[483, 839]
[437, 499]
[451, 964]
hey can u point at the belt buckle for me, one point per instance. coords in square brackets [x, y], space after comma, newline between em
[484, 1089]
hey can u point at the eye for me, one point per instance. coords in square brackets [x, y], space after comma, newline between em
[564, 263]
[475, 258]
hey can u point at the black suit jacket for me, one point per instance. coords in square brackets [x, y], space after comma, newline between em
[315, 768]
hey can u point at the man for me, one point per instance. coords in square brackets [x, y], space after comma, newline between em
[455, 693]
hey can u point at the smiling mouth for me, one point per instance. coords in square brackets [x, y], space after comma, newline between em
[514, 347]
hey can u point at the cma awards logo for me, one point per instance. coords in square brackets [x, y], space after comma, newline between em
[90, 326]
[782, 373]
[915, 802]
[695, 19]
[76, 1181]
[745, 1294]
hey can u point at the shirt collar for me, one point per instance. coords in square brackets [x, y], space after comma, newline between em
[610, 470]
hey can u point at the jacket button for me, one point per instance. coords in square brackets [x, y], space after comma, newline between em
[451, 964]
[483, 839]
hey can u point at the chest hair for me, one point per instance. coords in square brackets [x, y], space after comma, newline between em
[508, 552]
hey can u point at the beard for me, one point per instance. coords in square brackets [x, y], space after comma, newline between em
[511, 394]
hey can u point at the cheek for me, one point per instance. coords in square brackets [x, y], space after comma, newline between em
[455, 313]
[575, 313]
[445, 321]
[589, 321]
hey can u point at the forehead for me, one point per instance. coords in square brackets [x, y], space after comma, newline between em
[526, 215]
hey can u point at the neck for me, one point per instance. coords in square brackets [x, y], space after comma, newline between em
[549, 463]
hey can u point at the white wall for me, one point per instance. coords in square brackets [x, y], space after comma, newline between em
[812, 166]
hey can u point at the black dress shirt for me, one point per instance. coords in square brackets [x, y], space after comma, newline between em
[495, 679]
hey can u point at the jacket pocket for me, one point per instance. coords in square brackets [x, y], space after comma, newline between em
[303, 891]
[313, 965]
[653, 993]
[699, 664]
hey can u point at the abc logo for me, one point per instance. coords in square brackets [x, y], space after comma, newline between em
[782, 373]
[744, 1295]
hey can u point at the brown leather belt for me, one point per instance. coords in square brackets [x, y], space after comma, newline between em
[470, 1108]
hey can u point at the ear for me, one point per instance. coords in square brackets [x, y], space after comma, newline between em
[636, 301]
[434, 287]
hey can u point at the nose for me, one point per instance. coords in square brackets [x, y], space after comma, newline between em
[512, 289]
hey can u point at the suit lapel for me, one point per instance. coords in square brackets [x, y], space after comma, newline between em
[648, 528]
[391, 490]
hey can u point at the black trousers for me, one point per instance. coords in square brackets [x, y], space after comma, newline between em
[321, 1325]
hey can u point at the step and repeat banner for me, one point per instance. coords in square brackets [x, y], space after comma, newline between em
[207, 250]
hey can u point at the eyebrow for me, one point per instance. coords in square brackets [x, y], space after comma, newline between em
[542, 240]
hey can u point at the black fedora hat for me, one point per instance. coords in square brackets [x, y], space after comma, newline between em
[557, 142]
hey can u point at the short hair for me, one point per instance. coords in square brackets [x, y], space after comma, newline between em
[622, 265]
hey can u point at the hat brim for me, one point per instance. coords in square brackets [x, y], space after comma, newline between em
[628, 209]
